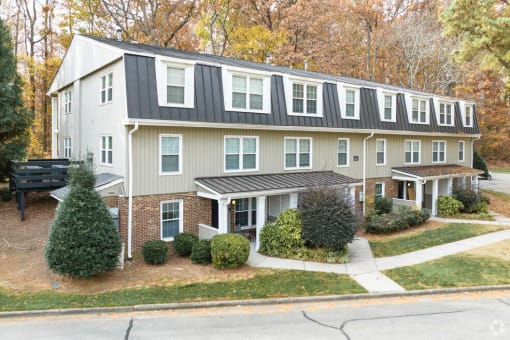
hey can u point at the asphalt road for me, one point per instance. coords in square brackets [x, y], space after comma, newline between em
[464, 316]
[499, 182]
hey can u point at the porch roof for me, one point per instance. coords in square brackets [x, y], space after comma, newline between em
[103, 181]
[223, 185]
[435, 171]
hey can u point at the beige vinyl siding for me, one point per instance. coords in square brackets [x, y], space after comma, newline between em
[203, 156]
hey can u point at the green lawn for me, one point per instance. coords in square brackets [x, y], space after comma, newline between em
[500, 195]
[503, 170]
[453, 271]
[266, 284]
[449, 233]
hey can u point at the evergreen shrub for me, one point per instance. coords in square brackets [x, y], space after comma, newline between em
[229, 250]
[183, 243]
[155, 251]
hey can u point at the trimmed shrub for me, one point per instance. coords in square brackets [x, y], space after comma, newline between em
[229, 250]
[183, 243]
[5, 194]
[480, 208]
[83, 240]
[328, 218]
[422, 215]
[201, 252]
[282, 235]
[155, 251]
[448, 206]
[468, 198]
[383, 205]
[385, 224]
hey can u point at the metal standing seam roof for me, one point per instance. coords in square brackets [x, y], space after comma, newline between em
[266, 182]
[427, 171]
[102, 179]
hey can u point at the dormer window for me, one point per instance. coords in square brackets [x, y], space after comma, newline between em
[304, 98]
[468, 115]
[175, 81]
[349, 101]
[445, 114]
[387, 105]
[419, 111]
[245, 91]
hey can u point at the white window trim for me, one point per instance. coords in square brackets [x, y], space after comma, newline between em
[68, 147]
[189, 80]
[257, 153]
[348, 152]
[67, 99]
[463, 105]
[105, 89]
[381, 93]
[181, 221]
[287, 85]
[419, 151]
[438, 161]
[384, 150]
[463, 151]
[101, 151]
[341, 88]
[383, 189]
[297, 167]
[170, 173]
[437, 107]
[409, 105]
[227, 74]
[250, 210]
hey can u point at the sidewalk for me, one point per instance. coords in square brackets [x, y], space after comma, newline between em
[365, 269]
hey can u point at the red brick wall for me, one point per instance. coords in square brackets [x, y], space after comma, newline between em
[390, 190]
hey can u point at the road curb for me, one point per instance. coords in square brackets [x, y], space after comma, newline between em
[239, 303]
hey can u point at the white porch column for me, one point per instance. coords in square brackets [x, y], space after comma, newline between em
[352, 199]
[222, 216]
[261, 218]
[405, 190]
[450, 185]
[474, 183]
[419, 193]
[435, 187]
[293, 200]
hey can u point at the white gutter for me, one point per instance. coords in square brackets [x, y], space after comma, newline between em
[365, 169]
[130, 187]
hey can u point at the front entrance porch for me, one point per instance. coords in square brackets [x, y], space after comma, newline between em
[243, 203]
[420, 186]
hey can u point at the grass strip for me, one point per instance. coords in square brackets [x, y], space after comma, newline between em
[449, 233]
[500, 170]
[276, 283]
[453, 271]
[501, 195]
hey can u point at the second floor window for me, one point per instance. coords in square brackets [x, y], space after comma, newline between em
[343, 152]
[419, 111]
[350, 103]
[380, 151]
[67, 147]
[240, 153]
[298, 153]
[461, 151]
[106, 150]
[247, 92]
[304, 98]
[438, 152]
[67, 101]
[175, 85]
[170, 154]
[412, 151]
[107, 88]
[468, 115]
[388, 107]
[445, 114]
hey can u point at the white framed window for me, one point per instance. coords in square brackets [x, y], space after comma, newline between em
[419, 110]
[175, 80]
[343, 152]
[170, 154]
[387, 105]
[67, 147]
[380, 152]
[106, 157]
[379, 190]
[245, 91]
[468, 115]
[106, 86]
[241, 153]
[438, 151]
[461, 151]
[171, 219]
[67, 101]
[303, 97]
[245, 215]
[298, 153]
[445, 114]
[412, 150]
[349, 101]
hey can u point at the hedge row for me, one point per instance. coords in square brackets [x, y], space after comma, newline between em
[385, 224]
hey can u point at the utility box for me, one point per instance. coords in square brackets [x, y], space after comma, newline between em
[115, 216]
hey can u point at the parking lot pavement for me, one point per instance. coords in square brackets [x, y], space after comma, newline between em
[499, 182]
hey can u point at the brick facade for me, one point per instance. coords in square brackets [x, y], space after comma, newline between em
[390, 190]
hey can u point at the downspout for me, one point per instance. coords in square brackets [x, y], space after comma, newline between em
[365, 169]
[130, 187]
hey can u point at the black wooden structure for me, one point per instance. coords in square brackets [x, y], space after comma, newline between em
[37, 175]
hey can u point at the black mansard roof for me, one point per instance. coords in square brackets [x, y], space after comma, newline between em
[209, 107]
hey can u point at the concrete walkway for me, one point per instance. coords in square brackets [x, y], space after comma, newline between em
[365, 269]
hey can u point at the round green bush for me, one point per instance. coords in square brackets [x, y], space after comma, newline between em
[468, 198]
[448, 206]
[201, 252]
[283, 234]
[155, 251]
[183, 243]
[383, 205]
[229, 250]
[5, 194]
